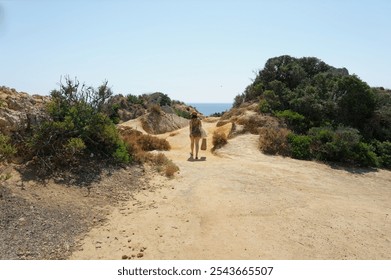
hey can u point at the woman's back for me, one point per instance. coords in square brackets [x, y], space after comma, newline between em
[195, 127]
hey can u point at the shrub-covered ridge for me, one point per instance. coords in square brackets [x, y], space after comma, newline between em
[334, 116]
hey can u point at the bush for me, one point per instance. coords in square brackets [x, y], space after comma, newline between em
[364, 155]
[383, 150]
[77, 127]
[171, 169]
[274, 140]
[293, 119]
[139, 144]
[342, 145]
[183, 114]
[150, 143]
[121, 154]
[299, 146]
[7, 150]
[133, 99]
[219, 139]
[264, 107]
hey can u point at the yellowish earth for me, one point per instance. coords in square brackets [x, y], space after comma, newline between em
[241, 204]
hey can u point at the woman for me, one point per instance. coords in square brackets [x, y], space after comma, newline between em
[195, 133]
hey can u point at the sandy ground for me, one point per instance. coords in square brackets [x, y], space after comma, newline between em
[242, 204]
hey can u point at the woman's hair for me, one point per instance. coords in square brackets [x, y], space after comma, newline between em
[194, 115]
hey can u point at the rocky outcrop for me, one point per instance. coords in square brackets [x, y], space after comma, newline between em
[19, 111]
[126, 110]
[158, 122]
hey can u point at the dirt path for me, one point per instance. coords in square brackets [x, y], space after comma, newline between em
[241, 204]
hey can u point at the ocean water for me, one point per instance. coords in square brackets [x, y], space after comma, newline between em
[210, 108]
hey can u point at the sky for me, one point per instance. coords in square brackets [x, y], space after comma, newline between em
[193, 51]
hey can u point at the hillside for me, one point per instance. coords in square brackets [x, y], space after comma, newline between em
[238, 203]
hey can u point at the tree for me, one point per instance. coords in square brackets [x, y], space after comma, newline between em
[356, 101]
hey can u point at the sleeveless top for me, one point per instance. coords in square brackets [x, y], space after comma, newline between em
[195, 127]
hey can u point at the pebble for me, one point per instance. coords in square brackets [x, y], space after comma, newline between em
[124, 257]
[140, 255]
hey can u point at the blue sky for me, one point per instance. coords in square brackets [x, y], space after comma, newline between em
[194, 51]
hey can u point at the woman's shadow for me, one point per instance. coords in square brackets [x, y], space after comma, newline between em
[194, 159]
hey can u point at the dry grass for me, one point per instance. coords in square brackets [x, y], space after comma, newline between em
[219, 140]
[254, 123]
[273, 140]
[163, 164]
[143, 142]
[150, 143]
[171, 169]
[139, 145]
[156, 109]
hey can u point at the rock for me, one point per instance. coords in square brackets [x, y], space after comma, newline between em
[158, 123]
[20, 111]
[125, 257]
[140, 255]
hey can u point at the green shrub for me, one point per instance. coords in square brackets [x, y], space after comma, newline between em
[183, 114]
[341, 145]
[165, 100]
[293, 119]
[299, 146]
[77, 127]
[383, 151]
[113, 113]
[121, 154]
[133, 99]
[7, 150]
[364, 155]
[264, 107]
[75, 146]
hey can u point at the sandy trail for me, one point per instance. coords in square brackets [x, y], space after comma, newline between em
[241, 204]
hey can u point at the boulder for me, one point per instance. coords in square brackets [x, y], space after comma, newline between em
[162, 122]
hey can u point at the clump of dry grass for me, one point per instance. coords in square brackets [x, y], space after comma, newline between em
[150, 143]
[143, 142]
[163, 164]
[156, 109]
[171, 169]
[140, 145]
[274, 140]
[219, 140]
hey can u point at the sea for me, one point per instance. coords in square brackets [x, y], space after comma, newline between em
[210, 108]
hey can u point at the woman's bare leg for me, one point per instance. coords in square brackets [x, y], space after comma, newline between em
[197, 145]
[192, 145]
